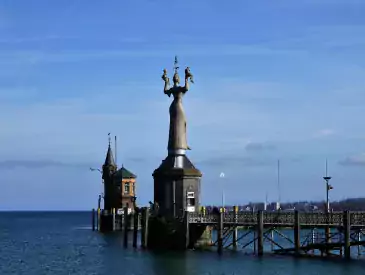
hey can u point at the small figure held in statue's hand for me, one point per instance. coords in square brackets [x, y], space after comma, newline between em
[165, 77]
[188, 75]
[167, 83]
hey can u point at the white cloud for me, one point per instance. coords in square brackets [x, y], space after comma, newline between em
[324, 133]
[356, 160]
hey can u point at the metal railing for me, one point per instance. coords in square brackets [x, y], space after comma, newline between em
[280, 218]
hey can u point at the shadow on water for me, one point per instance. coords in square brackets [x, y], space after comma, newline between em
[140, 261]
[167, 263]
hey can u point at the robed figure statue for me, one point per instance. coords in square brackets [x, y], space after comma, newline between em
[177, 133]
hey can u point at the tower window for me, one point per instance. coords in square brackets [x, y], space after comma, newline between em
[126, 188]
[191, 202]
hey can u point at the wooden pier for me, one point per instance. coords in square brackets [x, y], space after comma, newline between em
[349, 228]
[125, 222]
[341, 230]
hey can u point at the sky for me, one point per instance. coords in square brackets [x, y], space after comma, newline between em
[273, 80]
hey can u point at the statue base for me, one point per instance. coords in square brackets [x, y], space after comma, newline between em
[176, 186]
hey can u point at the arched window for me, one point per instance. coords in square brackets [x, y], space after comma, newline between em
[126, 188]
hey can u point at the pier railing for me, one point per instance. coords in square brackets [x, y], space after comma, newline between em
[280, 218]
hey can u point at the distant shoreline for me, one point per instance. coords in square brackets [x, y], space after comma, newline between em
[351, 204]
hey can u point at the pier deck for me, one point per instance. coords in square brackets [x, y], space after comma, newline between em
[280, 219]
[349, 226]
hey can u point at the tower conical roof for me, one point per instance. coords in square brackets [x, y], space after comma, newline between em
[109, 159]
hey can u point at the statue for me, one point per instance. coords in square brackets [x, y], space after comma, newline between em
[177, 132]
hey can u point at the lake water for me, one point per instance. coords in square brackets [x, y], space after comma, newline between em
[63, 243]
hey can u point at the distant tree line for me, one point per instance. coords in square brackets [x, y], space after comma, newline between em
[351, 204]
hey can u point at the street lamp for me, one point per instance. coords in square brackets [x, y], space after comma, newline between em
[96, 169]
[328, 188]
[102, 195]
[222, 177]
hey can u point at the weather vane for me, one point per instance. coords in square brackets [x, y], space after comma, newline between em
[109, 138]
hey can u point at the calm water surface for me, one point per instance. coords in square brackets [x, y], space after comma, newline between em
[63, 243]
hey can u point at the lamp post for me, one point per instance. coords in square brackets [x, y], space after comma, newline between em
[328, 188]
[102, 195]
[222, 177]
[96, 169]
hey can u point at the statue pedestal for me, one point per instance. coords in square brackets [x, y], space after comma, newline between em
[176, 186]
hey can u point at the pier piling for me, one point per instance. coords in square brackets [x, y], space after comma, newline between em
[328, 232]
[297, 233]
[359, 240]
[125, 227]
[144, 236]
[135, 226]
[347, 228]
[260, 231]
[220, 232]
[98, 220]
[235, 235]
[113, 216]
[93, 219]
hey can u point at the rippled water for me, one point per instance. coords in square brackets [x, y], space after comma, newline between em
[63, 243]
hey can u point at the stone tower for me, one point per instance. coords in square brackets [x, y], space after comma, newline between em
[109, 168]
[176, 180]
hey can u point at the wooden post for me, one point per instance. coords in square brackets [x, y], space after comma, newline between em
[359, 240]
[135, 226]
[235, 235]
[296, 233]
[144, 237]
[339, 231]
[93, 219]
[260, 232]
[126, 225]
[347, 231]
[113, 217]
[186, 228]
[220, 232]
[98, 220]
[327, 233]
[313, 238]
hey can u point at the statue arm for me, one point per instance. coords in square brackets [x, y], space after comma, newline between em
[188, 75]
[165, 78]
[167, 91]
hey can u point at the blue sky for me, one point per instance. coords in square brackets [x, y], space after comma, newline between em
[273, 80]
